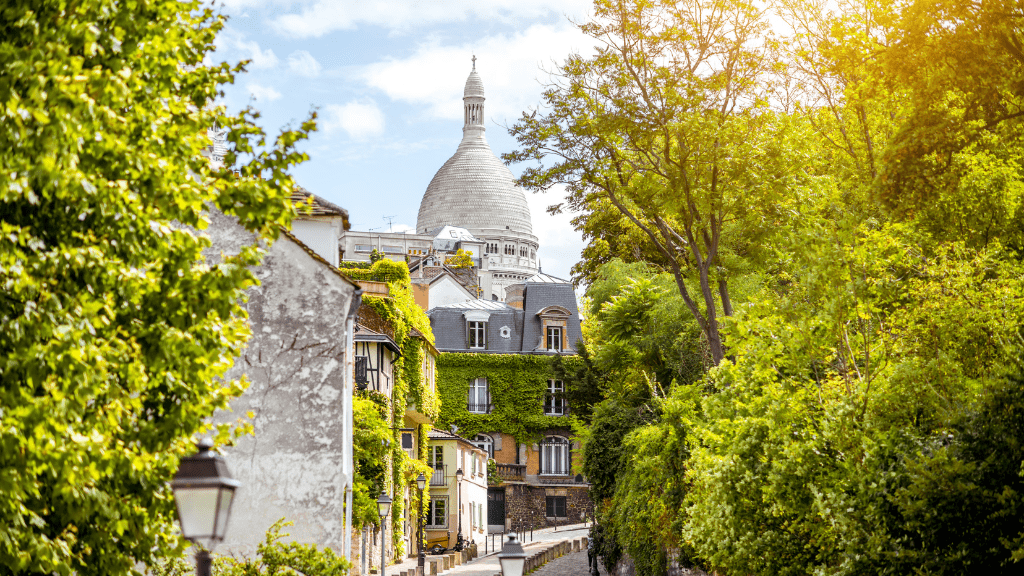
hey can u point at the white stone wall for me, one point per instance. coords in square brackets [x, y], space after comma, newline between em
[321, 235]
[448, 291]
[295, 362]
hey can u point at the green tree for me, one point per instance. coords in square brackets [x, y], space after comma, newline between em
[461, 259]
[669, 125]
[114, 331]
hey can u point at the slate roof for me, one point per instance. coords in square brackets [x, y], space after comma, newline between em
[449, 323]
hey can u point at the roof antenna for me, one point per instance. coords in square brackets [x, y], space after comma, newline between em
[389, 219]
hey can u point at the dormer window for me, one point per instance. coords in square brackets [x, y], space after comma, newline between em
[476, 329]
[554, 325]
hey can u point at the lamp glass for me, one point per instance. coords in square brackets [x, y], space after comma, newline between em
[512, 566]
[421, 482]
[458, 475]
[383, 504]
[227, 495]
[512, 557]
[197, 511]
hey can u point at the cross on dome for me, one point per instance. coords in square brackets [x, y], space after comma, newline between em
[474, 61]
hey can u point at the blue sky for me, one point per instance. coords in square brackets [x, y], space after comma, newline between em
[387, 78]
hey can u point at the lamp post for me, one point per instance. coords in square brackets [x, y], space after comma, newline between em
[458, 483]
[421, 483]
[512, 557]
[383, 507]
[203, 492]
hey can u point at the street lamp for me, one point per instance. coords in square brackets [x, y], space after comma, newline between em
[383, 507]
[512, 557]
[421, 483]
[203, 491]
[458, 482]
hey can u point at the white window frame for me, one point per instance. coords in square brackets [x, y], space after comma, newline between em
[431, 512]
[555, 456]
[477, 331]
[485, 442]
[554, 401]
[552, 333]
[473, 401]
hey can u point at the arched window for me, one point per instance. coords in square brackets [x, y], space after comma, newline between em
[554, 456]
[485, 443]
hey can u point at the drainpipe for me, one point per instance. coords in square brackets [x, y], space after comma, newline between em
[347, 465]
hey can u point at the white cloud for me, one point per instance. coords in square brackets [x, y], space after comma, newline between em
[262, 93]
[359, 119]
[260, 58]
[400, 228]
[560, 246]
[318, 17]
[303, 64]
[508, 65]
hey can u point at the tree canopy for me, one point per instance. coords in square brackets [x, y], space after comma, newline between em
[114, 330]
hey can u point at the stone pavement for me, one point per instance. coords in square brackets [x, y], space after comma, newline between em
[488, 565]
[574, 564]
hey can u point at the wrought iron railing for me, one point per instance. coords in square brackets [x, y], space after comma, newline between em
[479, 408]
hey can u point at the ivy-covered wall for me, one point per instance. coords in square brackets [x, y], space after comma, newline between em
[399, 310]
[517, 382]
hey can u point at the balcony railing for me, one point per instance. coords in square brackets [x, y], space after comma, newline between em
[512, 472]
[479, 408]
[440, 476]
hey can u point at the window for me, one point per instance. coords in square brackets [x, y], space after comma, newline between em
[478, 334]
[435, 458]
[393, 249]
[555, 507]
[510, 249]
[554, 338]
[409, 444]
[554, 402]
[479, 400]
[364, 248]
[361, 363]
[485, 443]
[473, 468]
[554, 456]
[437, 516]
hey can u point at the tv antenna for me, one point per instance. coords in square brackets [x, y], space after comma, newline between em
[389, 219]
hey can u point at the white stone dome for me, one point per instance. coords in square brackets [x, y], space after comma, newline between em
[474, 189]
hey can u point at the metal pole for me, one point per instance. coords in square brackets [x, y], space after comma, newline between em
[423, 553]
[383, 535]
[203, 563]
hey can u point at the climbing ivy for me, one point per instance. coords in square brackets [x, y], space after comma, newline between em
[517, 383]
[400, 311]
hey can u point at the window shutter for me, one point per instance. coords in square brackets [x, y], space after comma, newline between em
[497, 441]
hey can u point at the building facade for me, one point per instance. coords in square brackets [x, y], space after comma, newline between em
[499, 383]
[456, 507]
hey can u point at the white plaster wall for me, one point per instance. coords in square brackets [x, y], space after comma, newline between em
[321, 235]
[448, 291]
[295, 362]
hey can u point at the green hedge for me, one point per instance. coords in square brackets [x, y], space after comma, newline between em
[518, 383]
